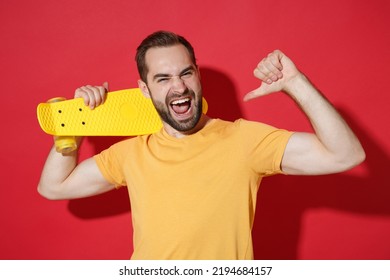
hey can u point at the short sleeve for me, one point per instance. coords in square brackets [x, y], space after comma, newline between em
[110, 164]
[264, 146]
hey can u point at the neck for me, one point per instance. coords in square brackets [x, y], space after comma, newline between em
[204, 120]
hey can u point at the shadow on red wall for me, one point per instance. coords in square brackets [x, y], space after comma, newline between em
[282, 199]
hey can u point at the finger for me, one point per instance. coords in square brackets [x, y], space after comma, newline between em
[81, 93]
[254, 94]
[267, 71]
[273, 66]
[103, 91]
[87, 94]
[275, 58]
[260, 74]
[264, 74]
[105, 85]
[251, 95]
[95, 98]
[101, 95]
[96, 93]
[273, 72]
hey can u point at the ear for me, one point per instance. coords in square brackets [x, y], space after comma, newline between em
[198, 70]
[144, 88]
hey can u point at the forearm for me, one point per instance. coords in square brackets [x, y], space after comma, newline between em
[333, 133]
[56, 170]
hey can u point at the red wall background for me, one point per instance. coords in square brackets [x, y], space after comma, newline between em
[49, 48]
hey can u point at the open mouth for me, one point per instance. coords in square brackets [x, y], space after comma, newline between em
[181, 106]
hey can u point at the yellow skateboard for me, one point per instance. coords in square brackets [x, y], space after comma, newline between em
[124, 113]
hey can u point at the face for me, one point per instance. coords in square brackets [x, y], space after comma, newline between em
[173, 83]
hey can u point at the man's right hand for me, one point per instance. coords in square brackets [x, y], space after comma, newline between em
[62, 176]
[93, 95]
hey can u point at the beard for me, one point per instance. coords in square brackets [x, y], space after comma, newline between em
[184, 125]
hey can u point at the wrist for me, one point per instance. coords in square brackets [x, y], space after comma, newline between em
[296, 84]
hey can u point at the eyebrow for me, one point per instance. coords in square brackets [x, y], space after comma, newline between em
[161, 75]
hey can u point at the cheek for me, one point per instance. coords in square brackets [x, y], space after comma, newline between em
[195, 85]
[197, 88]
[159, 93]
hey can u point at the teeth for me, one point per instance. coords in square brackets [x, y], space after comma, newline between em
[180, 101]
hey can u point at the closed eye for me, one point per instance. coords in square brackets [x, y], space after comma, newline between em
[162, 80]
[187, 74]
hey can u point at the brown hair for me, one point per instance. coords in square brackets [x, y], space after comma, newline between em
[156, 40]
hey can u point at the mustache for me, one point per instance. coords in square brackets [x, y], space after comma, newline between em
[173, 96]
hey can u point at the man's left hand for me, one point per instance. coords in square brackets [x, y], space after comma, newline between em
[276, 71]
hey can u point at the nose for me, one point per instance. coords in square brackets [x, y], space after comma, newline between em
[178, 85]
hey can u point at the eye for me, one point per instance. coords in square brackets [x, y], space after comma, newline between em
[187, 74]
[162, 80]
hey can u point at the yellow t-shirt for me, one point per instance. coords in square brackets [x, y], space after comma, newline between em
[195, 197]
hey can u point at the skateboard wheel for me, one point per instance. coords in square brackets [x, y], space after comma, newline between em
[63, 144]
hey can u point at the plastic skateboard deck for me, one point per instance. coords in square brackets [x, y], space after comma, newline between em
[124, 113]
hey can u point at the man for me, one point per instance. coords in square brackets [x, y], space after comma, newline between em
[193, 185]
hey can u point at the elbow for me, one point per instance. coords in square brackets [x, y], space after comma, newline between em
[353, 159]
[359, 156]
[46, 192]
[362, 157]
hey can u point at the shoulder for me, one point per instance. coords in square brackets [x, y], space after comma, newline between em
[239, 124]
[252, 132]
[241, 129]
[125, 145]
[246, 127]
[246, 124]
